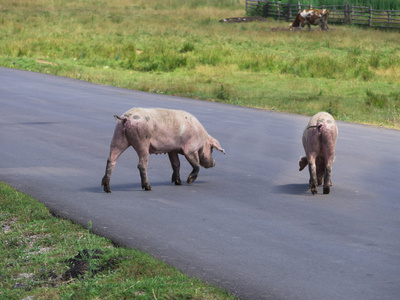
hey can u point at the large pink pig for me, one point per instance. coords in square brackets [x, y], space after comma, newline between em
[154, 131]
[319, 140]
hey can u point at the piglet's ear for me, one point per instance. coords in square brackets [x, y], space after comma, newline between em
[303, 163]
[215, 144]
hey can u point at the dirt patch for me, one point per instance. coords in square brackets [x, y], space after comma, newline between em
[280, 28]
[243, 19]
[40, 61]
[297, 30]
[8, 225]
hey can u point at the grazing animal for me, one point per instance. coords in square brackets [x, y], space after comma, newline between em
[319, 140]
[311, 17]
[155, 131]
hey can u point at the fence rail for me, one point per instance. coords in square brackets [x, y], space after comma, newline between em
[338, 14]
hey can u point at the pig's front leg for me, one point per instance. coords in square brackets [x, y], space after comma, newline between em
[105, 182]
[194, 161]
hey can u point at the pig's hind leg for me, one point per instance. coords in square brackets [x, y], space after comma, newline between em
[313, 174]
[327, 177]
[320, 164]
[142, 166]
[175, 164]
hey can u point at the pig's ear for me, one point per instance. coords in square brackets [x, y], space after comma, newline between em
[215, 144]
[303, 163]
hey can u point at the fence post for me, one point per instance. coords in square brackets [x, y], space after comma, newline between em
[278, 11]
[388, 13]
[352, 13]
[289, 12]
[299, 5]
[370, 16]
[346, 13]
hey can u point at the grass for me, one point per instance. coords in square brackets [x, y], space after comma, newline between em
[45, 257]
[178, 47]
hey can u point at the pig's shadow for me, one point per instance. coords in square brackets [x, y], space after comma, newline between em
[135, 187]
[291, 189]
[114, 187]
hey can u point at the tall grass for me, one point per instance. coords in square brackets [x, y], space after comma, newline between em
[178, 47]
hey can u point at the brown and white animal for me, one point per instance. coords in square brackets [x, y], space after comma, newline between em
[319, 141]
[155, 131]
[311, 17]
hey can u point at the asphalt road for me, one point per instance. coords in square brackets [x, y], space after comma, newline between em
[249, 224]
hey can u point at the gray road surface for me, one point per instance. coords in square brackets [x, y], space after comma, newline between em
[249, 224]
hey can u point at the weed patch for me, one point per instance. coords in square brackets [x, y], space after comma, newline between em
[376, 100]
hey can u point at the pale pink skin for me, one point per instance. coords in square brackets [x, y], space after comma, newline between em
[319, 140]
[154, 131]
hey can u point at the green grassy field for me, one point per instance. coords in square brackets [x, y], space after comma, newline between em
[179, 47]
[44, 257]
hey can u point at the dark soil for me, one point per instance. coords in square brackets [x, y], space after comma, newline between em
[243, 19]
[88, 263]
[79, 265]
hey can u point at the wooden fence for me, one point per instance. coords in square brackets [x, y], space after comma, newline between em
[338, 14]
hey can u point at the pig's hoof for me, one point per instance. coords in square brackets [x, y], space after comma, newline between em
[326, 190]
[146, 187]
[176, 180]
[106, 186]
[191, 178]
[313, 189]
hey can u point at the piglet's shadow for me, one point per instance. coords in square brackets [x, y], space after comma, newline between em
[291, 189]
